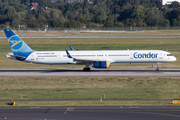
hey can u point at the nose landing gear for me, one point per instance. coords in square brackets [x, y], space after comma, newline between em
[157, 69]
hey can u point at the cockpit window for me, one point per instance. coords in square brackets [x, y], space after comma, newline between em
[169, 54]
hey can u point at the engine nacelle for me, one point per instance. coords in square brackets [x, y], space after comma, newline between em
[101, 64]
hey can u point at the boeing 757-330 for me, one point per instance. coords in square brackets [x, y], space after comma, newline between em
[98, 59]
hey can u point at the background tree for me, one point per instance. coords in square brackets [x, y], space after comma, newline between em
[139, 13]
[102, 13]
[174, 5]
[85, 4]
[109, 22]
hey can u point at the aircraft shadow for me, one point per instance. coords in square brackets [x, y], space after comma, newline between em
[93, 70]
[114, 70]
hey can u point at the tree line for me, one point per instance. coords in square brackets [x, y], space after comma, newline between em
[95, 13]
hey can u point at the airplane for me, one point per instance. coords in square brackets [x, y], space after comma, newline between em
[98, 59]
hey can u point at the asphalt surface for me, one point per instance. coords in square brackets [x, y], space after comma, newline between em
[120, 36]
[90, 113]
[93, 72]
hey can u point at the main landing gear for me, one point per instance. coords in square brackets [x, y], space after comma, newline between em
[87, 68]
[157, 69]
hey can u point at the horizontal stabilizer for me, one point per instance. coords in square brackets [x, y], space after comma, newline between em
[12, 55]
[17, 56]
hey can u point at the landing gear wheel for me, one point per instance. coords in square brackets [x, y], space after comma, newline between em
[86, 69]
[157, 69]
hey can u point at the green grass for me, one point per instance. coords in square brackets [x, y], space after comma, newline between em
[170, 44]
[91, 103]
[58, 33]
[89, 88]
[48, 88]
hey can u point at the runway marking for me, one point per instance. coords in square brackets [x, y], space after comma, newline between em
[47, 110]
[66, 111]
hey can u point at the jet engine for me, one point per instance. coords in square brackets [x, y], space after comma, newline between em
[101, 64]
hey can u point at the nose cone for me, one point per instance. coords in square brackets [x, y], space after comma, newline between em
[174, 58]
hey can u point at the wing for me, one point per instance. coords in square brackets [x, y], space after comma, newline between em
[82, 60]
[71, 48]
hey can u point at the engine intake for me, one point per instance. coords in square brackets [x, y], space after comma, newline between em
[101, 64]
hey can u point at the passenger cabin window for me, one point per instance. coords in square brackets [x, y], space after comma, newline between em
[119, 55]
[47, 56]
[80, 55]
[99, 55]
[169, 54]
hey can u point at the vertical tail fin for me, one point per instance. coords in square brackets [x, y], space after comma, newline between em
[18, 46]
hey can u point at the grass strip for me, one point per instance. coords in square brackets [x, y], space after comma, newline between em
[92, 87]
[90, 103]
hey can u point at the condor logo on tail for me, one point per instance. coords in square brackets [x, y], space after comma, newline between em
[15, 43]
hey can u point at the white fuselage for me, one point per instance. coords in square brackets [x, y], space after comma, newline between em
[113, 56]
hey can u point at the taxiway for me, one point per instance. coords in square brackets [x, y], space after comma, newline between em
[90, 113]
[93, 72]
